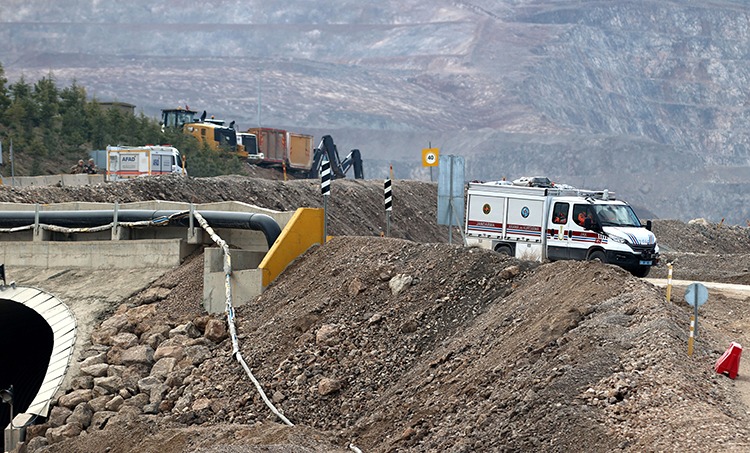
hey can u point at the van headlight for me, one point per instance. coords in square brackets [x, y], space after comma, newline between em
[619, 240]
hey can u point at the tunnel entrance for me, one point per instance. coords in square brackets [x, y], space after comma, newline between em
[26, 343]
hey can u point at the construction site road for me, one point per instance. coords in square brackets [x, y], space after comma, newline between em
[728, 289]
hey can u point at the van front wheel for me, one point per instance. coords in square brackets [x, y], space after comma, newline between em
[642, 271]
[598, 255]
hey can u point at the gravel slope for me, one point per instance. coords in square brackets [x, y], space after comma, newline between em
[406, 344]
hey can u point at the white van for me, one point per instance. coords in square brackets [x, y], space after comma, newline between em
[125, 162]
[552, 223]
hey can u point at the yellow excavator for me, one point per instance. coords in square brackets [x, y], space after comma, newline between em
[210, 131]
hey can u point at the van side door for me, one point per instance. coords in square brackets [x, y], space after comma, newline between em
[581, 239]
[558, 231]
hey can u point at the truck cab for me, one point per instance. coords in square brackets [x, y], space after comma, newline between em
[606, 230]
[250, 143]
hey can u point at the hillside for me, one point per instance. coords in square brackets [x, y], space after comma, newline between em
[645, 96]
[403, 343]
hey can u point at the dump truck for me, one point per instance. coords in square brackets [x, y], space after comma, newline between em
[536, 220]
[296, 153]
[272, 143]
[126, 162]
[300, 155]
[284, 148]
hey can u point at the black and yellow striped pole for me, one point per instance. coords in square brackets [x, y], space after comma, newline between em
[388, 206]
[325, 189]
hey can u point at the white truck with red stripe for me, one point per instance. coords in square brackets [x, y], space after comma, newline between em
[125, 162]
[548, 223]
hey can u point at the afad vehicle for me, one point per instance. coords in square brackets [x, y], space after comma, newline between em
[125, 162]
[532, 219]
[210, 131]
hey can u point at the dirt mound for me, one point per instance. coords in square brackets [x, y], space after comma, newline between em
[398, 345]
[701, 237]
[355, 207]
[479, 353]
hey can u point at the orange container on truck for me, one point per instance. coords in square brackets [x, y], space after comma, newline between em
[272, 143]
[300, 156]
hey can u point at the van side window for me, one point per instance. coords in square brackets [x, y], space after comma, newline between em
[560, 213]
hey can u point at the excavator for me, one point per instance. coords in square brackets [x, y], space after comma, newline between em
[210, 131]
[327, 151]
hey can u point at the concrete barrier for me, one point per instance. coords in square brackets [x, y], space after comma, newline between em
[246, 279]
[304, 230]
[53, 180]
[162, 253]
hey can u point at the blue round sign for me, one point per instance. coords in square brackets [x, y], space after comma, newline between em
[524, 212]
[696, 293]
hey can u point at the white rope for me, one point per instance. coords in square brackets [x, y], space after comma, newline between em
[230, 315]
[14, 229]
[60, 229]
[159, 221]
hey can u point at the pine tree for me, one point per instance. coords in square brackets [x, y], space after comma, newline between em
[4, 97]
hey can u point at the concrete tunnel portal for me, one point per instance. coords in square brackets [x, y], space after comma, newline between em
[26, 342]
[37, 334]
[38, 331]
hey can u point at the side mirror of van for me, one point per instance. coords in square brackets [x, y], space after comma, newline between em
[649, 225]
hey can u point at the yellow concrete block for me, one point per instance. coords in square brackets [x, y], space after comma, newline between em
[304, 230]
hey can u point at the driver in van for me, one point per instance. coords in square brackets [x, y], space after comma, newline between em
[582, 216]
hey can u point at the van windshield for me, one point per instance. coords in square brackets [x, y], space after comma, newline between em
[616, 215]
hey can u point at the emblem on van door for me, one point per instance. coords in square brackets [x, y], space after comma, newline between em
[524, 212]
[486, 208]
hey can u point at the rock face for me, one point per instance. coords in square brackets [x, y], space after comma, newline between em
[646, 98]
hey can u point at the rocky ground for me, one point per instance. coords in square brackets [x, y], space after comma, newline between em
[407, 343]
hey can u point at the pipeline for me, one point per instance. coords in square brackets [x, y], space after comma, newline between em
[97, 220]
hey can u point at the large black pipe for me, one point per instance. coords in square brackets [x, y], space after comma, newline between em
[88, 219]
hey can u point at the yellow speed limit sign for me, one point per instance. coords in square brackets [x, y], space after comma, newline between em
[430, 157]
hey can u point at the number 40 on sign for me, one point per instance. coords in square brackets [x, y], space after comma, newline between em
[430, 157]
